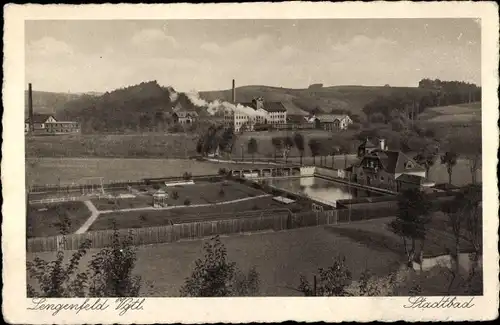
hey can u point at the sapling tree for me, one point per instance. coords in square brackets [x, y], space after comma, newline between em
[216, 276]
[449, 159]
[110, 270]
[333, 281]
[411, 220]
[298, 140]
[252, 148]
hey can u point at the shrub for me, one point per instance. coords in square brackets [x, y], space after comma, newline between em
[156, 186]
[222, 171]
[187, 201]
[397, 125]
[187, 176]
[175, 195]
[354, 126]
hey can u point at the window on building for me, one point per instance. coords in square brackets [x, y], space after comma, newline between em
[381, 178]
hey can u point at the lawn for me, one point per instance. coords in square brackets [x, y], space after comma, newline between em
[198, 193]
[114, 145]
[279, 257]
[375, 234]
[65, 171]
[43, 219]
[153, 218]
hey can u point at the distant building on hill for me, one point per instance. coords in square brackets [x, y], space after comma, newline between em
[47, 124]
[331, 122]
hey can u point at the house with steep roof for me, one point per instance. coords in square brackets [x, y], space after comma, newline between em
[184, 117]
[384, 168]
[368, 146]
[47, 124]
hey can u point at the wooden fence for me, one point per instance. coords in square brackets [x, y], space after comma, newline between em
[245, 224]
[186, 231]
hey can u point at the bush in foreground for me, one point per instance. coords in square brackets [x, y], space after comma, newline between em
[109, 272]
[215, 276]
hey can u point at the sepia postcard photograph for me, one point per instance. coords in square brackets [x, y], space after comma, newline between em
[248, 162]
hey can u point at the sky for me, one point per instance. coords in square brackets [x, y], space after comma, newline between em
[201, 55]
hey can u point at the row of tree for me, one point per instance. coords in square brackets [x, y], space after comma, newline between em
[321, 147]
[215, 138]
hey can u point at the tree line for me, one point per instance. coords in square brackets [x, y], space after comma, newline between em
[430, 93]
[319, 147]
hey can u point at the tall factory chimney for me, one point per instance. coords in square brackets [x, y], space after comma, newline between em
[30, 108]
[234, 93]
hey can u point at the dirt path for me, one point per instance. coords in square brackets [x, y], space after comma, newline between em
[91, 219]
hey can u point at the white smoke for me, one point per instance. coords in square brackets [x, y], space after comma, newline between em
[217, 106]
[172, 94]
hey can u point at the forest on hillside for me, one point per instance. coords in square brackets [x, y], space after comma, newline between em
[138, 108]
[147, 106]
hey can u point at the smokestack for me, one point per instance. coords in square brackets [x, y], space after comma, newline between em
[30, 107]
[234, 93]
[382, 144]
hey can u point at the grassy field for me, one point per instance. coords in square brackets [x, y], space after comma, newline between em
[375, 234]
[199, 193]
[280, 258]
[266, 148]
[453, 113]
[153, 218]
[114, 145]
[71, 170]
[42, 219]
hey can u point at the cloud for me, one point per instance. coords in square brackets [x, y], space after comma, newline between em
[153, 36]
[361, 45]
[211, 47]
[48, 47]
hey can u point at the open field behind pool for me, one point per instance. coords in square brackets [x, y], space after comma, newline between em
[66, 171]
[43, 219]
[153, 218]
[164, 267]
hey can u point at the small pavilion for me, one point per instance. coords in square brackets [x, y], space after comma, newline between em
[160, 199]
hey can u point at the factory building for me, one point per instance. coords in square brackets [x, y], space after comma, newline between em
[261, 112]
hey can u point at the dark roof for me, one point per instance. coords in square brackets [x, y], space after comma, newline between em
[395, 161]
[40, 118]
[368, 144]
[410, 179]
[268, 106]
[330, 118]
[274, 107]
[184, 114]
[296, 118]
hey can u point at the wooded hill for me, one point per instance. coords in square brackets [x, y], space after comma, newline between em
[147, 106]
